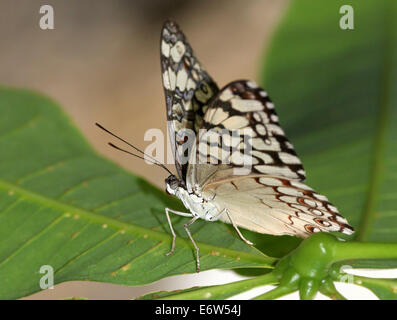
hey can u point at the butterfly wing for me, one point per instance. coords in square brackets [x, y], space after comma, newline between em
[188, 89]
[241, 126]
[267, 196]
[277, 206]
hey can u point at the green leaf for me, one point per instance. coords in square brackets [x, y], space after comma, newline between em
[336, 93]
[63, 205]
[385, 289]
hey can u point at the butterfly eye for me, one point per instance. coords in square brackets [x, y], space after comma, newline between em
[172, 183]
[170, 189]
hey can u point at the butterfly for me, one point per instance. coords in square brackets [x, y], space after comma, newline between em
[233, 161]
[267, 195]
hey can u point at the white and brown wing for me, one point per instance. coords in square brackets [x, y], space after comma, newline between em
[241, 127]
[270, 197]
[187, 88]
[277, 206]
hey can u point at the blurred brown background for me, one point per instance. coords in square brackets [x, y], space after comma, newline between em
[101, 64]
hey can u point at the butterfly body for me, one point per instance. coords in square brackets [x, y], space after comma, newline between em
[199, 205]
[196, 204]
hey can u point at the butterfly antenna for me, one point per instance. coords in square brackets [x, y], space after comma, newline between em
[152, 160]
[126, 142]
[138, 156]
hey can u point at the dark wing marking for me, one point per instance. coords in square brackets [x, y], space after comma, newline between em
[243, 117]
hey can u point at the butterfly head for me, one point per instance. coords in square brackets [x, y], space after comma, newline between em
[172, 183]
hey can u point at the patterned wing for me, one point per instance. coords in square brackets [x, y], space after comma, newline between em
[277, 206]
[242, 132]
[188, 89]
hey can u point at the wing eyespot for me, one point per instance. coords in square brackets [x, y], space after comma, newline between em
[312, 229]
[322, 222]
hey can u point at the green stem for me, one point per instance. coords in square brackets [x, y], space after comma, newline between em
[224, 291]
[386, 283]
[308, 288]
[328, 288]
[381, 281]
[361, 250]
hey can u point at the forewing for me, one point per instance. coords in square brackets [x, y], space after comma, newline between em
[277, 206]
[188, 89]
[242, 128]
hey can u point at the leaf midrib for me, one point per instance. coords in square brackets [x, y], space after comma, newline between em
[368, 216]
[260, 258]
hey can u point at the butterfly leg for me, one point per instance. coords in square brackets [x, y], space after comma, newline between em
[186, 226]
[237, 230]
[167, 210]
